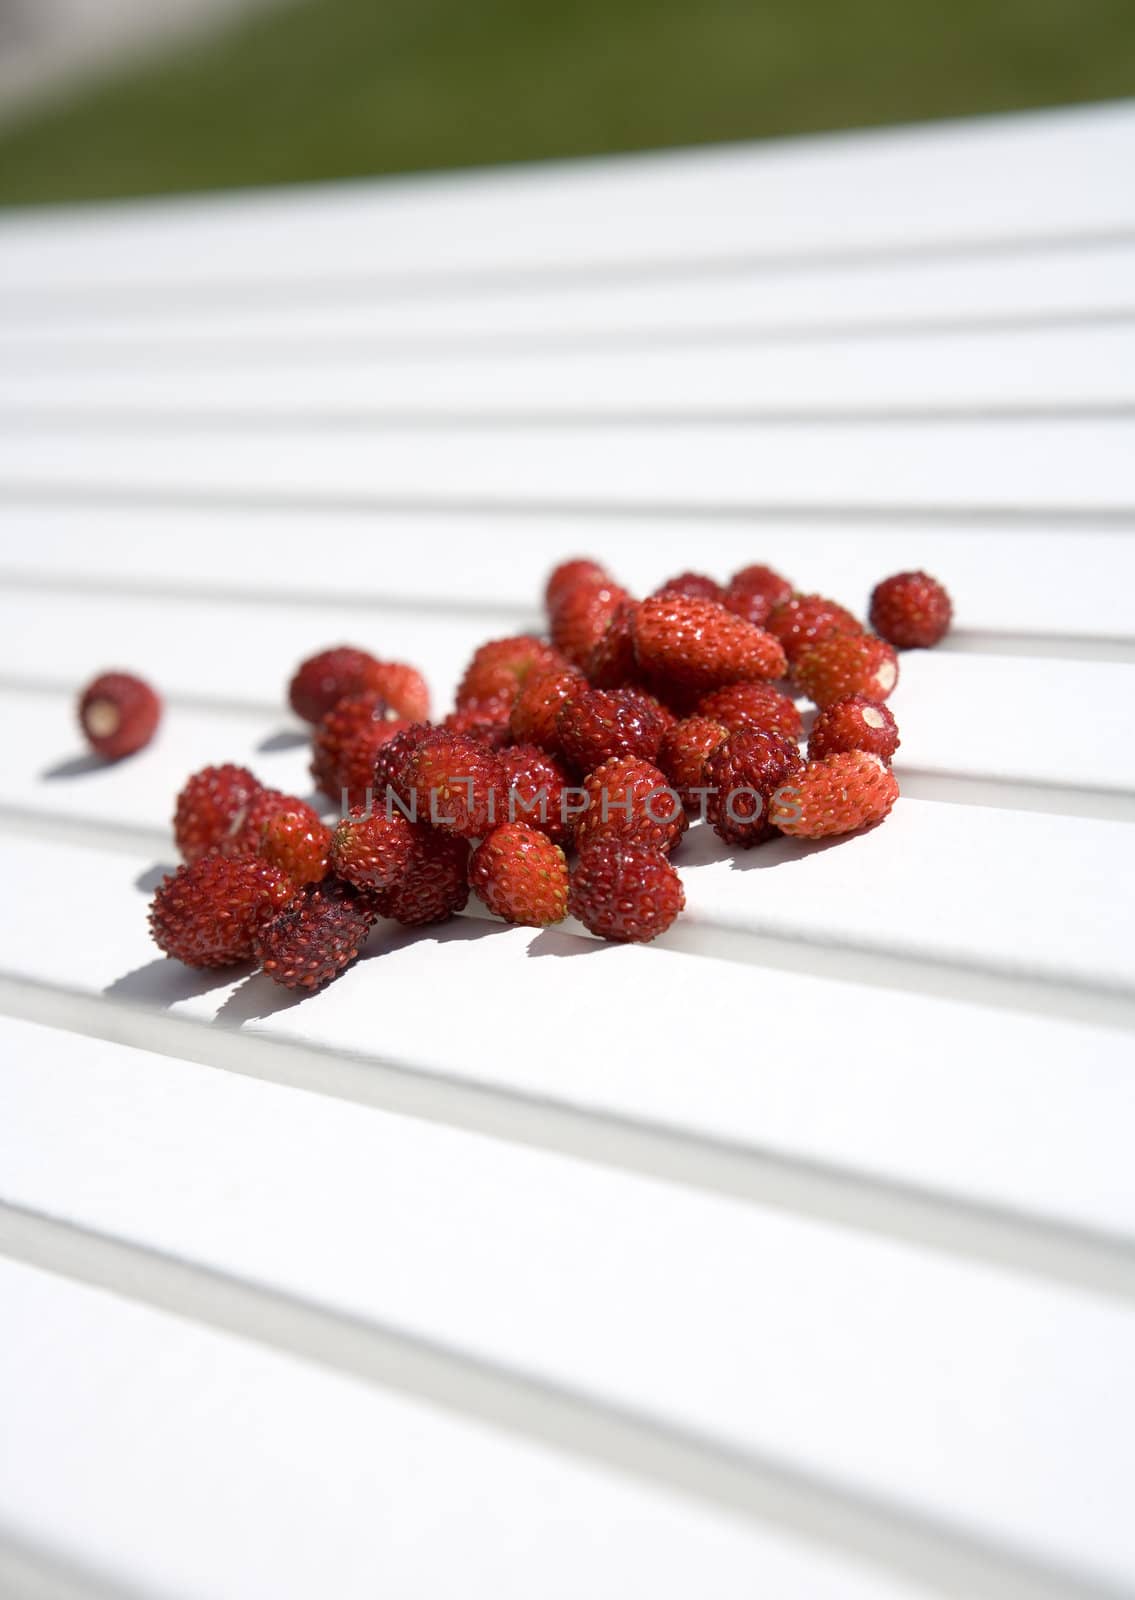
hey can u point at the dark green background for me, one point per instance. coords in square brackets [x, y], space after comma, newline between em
[331, 88]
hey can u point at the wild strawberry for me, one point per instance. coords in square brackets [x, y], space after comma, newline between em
[521, 875]
[752, 705]
[600, 723]
[806, 619]
[324, 679]
[845, 665]
[633, 695]
[622, 890]
[755, 592]
[630, 799]
[296, 844]
[695, 584]
[612, 663]
[316, 936]
[212, 805]
[403, 688]
[683, 753]
[695, 646]
[571, 575]
[839, 794]
[500, 668]
[743, 775]
[455, 783]
[853, 724]
[346, 745]
[390, 763]
[580, 619]
[119, 714]
[533, 717]
[208, 913]
[435, 885]
[246, 830]
[534, 783]
[910, 610]
[372, 847]
[487, 720]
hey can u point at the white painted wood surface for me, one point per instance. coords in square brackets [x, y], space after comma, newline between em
[793, 1255]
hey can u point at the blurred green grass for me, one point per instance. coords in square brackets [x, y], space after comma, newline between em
[337, 88]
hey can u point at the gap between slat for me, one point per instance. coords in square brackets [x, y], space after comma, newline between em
[950, 1560]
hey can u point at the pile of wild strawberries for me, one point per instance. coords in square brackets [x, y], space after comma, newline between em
[603, 741]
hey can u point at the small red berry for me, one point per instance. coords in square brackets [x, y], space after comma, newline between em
[534, 787]
[403, 688]
[119, 714]
[534, 711]
[501, 668]
[844, 665]
[600, 723]
[695, 645]
[390, 763]
[316, 936]
[209, 912]
[853, 724]
[806, 619]
[621, 890]
[628, 798]
[744, 774]
[697, 585]
[752, 705]
[570, 575]
[346, 743]
[211, 808]
[839, 794]
[373, 847]
[521, 875]
[487, 720]
[911, 609]
[755, 592]
[581, 619]
[455, 783]
[683, 753]
[326, 678]
[296, 844]
[435, 885]
[612, 662]
[246, 830]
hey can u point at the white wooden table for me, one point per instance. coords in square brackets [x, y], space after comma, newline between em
[793, 1256]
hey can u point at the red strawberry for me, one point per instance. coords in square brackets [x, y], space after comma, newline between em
[390, 763]
[683, 753]
[487, 720]
[755, 592]
[296, 844]
[630, 799]
[844, 665]
[571, 575]
[246, 829]
[316, 936]
[806, 619]
[752, 705]
[600, 723]
[119, 714]
[403, 688]
[500, 669]
[212, 805]
[208, 913]
[839, 794]
[612, 663]
[323, 680]
[853, 724]
[436, 883]
[622, 890]
[521, 875]
[534, 785]
[694, 645]
[455, 783]
[533, 718]
[346, 745]
[580, 619]
[373, 847]
[695, 584]
[744, 774]
[911, 609]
